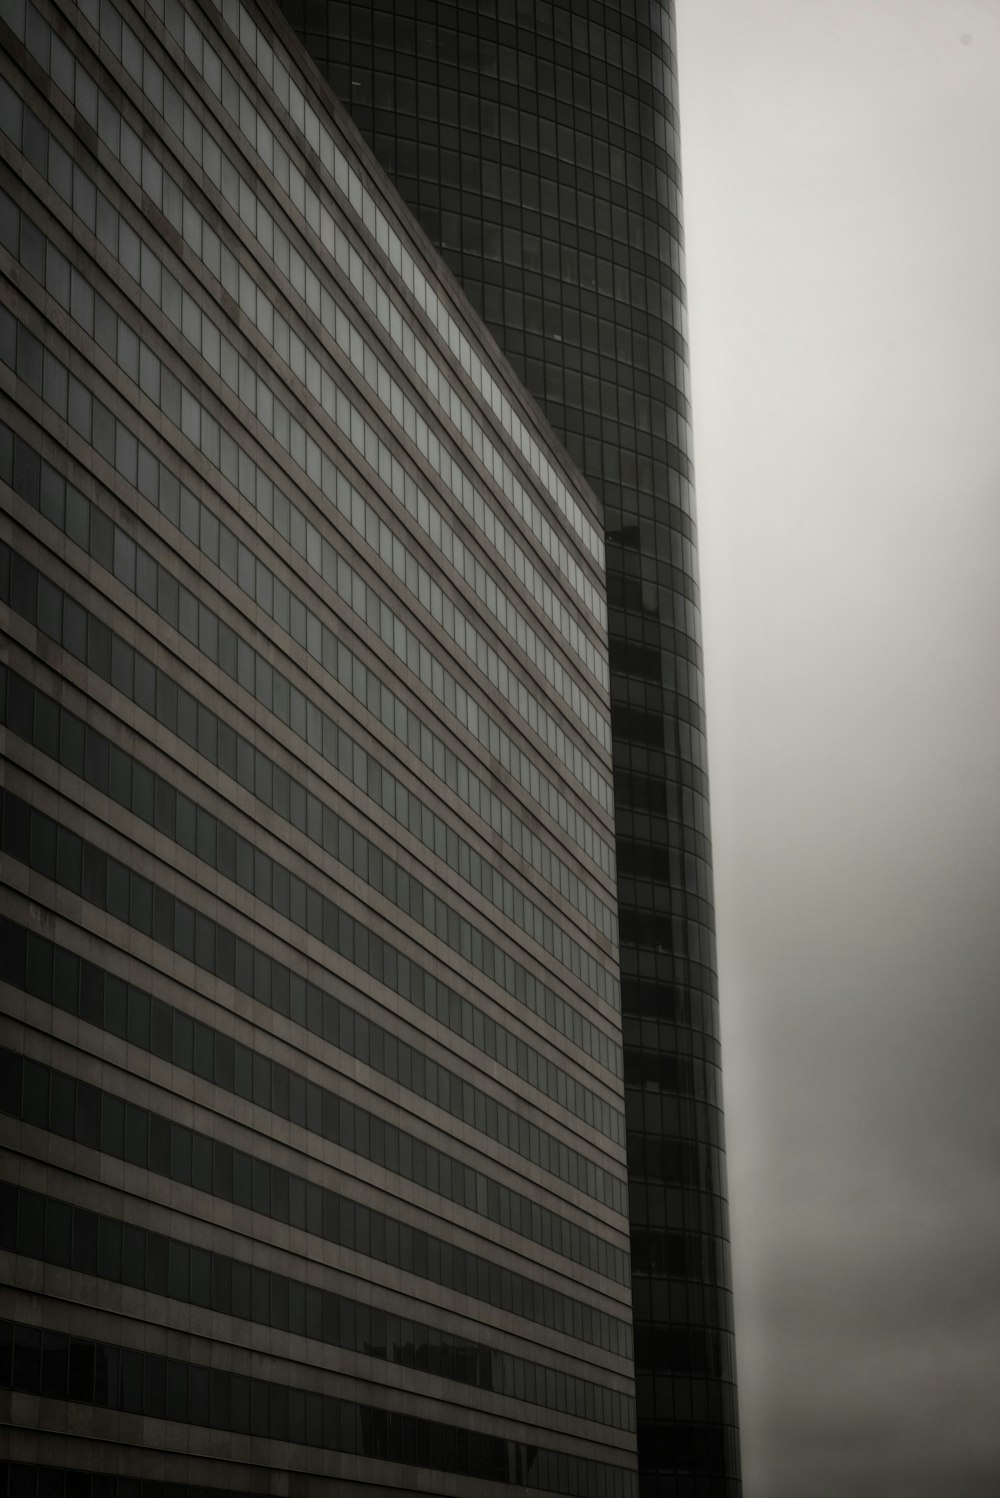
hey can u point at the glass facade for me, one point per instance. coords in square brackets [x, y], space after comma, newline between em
[537, 145]
[312, 1095]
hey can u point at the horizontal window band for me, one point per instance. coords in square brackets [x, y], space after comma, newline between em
[51, 1099]
[82, 749]
[96, 534]
[59, 1232]
[39, 967]
[37, 1480]
[215, 442]
[87, 871]
[55, 1365]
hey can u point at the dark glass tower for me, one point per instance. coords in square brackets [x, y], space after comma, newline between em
[537, 144]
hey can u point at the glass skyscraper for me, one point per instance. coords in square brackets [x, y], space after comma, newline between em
[311, 1097]
[537, 143]
[358, 1039]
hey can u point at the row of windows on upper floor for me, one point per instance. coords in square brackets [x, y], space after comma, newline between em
[600, 155]
[690, 896]
[274, 885]
[342, 174]
[567, 212]
[391, 39]
[661, 1064]
[675, 1029]
[647, 954]
[57, 1366]
[51, 972]
[637, 691]
[299, 276]
[699, 1413]
[656, 837]
[472, 107]
[676, 971]
[596, 69]
[61, 617]
[686, 783]
[662, 761]
[523, 259]
[444, 107]
[241, 760]
[671, 1301]
[659, 724]
[625, 421]
[257, 397]
[624, 412]
[176, 709]
[677, 1162]
[678, 1113]
[62, 504]
[49, 377]
[583, 300]
[594, 27]
[654, 1205]
[180, 713]
[686, 1361]
[703, 1355]
[645, 570]
[682, 797]
[138, 571]
[688, 940]
[602, 34]
[573, 340]
[646, 529]
[685, 1256]
[686, 1372]
[615, 23]
[651, 753]
[677, 743]
[657, 682]
[188, 125]
[132, 565]
[664, 1119]
[301, 280]
[623, 449]
[635, 287]
[31, 715]
[684, 1110]
[61, 856]
[655, 940]
[563, 216]
[634, 470]
[62, 1233]
[650, 994]
[151, 1025]
[678, 819]
[50, 1099]
[652, 553]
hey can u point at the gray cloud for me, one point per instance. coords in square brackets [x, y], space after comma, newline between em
[843, 217]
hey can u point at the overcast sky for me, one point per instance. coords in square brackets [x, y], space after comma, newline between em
[842, 203]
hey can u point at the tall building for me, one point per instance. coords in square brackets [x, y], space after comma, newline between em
[311, 1085]
[538, 146]
[311, 1021]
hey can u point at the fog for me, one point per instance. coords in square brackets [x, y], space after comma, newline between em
[842, 206]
